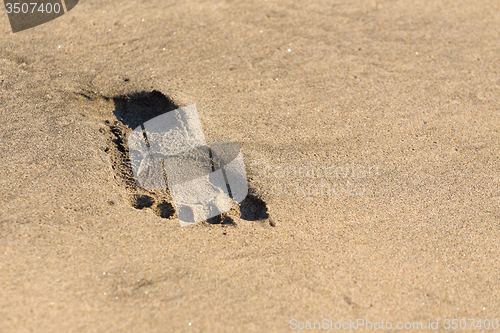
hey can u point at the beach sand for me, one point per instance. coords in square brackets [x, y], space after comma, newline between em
[370, 133]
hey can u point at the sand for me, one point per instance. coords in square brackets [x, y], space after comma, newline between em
[370, 132]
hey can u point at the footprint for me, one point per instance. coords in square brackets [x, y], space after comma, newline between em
[132, 111]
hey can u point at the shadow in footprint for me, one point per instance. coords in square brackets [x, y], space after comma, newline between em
[164, 210]
[222, 219]
[133, 110]
[253, 209]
